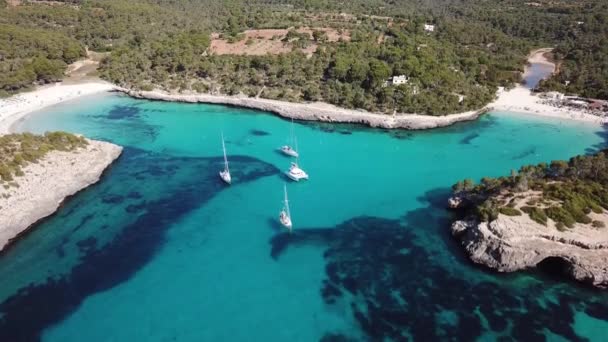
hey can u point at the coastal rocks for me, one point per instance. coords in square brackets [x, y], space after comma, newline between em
[46, 184]
[455, 202]
[316, 111]
[510, 244]
[462, 201]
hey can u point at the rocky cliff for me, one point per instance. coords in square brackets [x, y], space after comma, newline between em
[510, 244]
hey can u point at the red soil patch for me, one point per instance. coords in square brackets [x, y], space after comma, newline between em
[270, 41]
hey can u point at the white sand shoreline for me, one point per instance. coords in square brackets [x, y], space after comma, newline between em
[16, 107]
[518, 100]
[46, 184]
[521, 100]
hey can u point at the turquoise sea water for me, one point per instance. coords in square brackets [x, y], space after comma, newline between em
[161, 250]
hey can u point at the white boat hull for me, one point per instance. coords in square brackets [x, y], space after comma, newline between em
[285, 216]
[296, 178]
[286, 223]
[286, 150]
[225, 176]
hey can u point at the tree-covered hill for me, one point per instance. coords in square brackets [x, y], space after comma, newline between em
[34, 55]
[477, 45]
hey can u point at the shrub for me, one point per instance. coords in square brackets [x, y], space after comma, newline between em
[560, 215]
[5, 174]
[560, 226]
[536, 214]
[17, 150]
[596, 208]
[532, 201]
[487, 211]
[509, 211]
[598, 224]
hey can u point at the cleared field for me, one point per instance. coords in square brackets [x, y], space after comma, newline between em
[272, 41]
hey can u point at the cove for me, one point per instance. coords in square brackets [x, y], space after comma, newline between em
[160, 250]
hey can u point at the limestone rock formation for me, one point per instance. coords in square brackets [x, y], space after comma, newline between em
[512, 243]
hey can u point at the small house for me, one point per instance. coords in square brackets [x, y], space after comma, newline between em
[401, 79]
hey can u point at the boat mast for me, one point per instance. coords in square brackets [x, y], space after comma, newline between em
[291, 133]
[286, 202]
[225, 158]
[296, 149]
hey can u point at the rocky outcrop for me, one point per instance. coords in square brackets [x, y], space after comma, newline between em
[512, 243]
[455, 202]
[46, 184]
[316, 111]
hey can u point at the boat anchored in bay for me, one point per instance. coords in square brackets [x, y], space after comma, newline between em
[285, 215]
[287, 149]
[225, 174]
[295, 173]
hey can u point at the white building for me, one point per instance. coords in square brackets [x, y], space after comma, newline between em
[401, 79]
[429, 28]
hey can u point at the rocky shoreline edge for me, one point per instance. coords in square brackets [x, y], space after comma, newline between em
[316, 111]
[510, 244]
[45, 185]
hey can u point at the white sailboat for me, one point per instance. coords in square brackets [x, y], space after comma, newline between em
[287, 149]
[285, 215]
[295, 172]
[225, 173]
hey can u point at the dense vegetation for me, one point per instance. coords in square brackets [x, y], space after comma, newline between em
[17, 150]
[565, 192]
[33, 56]
[584, 62]
[349, 74]
[478, 45]
[577, 29]
[37, 41]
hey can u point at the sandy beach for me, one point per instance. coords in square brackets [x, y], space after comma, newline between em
[46, 184]
[522, 100]
[518, 99]
[16, 107]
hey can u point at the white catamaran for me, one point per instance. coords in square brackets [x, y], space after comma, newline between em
[295, 172]
[287, 149]
[285, 215]
[225, 174]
